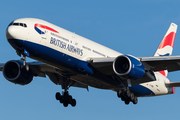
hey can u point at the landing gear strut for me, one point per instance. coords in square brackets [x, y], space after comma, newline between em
[25, 66]
[127, 96]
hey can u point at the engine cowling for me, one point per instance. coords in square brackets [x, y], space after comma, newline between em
[15, 72]
[128, 66]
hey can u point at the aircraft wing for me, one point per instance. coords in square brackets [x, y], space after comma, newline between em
[157, 63]
[170, 63]
[41, 70]
[104, 65]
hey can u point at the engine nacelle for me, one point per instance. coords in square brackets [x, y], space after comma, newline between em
[128, 66]
[15, 72]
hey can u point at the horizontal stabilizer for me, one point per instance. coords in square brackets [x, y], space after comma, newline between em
[173, 84]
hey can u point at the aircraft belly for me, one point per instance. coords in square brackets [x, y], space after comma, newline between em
[96, 82]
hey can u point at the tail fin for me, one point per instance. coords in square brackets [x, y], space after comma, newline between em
[167, 43]
[166, 46]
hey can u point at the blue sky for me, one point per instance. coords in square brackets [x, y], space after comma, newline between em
[130, 27]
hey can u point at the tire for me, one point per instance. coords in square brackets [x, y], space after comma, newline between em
[65, 103]
[61, 100]
[135, 101]
[73, 103]
[128, 93]
[58, 96]
[119, 93]
[123, 98]
[132, 97]
[70, 98]
[127, 102]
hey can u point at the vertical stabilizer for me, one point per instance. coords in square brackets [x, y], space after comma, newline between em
[167, 43]
[166, 46]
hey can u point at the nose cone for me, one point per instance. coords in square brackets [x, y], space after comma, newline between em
[13, 38]
[11, 32]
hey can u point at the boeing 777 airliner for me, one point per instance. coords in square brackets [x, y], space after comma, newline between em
[72, 60]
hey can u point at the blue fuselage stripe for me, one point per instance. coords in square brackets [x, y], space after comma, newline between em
[140, 90]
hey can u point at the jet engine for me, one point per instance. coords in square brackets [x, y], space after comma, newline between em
[15, 72]
[128, 66]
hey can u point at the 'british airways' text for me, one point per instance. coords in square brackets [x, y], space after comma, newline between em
[66, 46]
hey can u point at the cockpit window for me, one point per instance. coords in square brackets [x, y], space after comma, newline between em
[25, 25]
[11, 23]
[21, 24]
[18, 24]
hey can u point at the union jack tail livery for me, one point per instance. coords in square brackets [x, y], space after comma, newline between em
[166, 46]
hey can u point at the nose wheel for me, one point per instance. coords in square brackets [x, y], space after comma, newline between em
[65, 99]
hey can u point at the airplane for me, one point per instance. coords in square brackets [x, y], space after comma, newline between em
[71, 60]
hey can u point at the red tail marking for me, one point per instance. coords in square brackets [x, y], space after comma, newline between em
[168, 40]
[173, 90]
[163, 73]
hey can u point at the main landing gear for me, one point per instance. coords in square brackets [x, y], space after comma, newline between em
[127, 96]
[65, 98]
